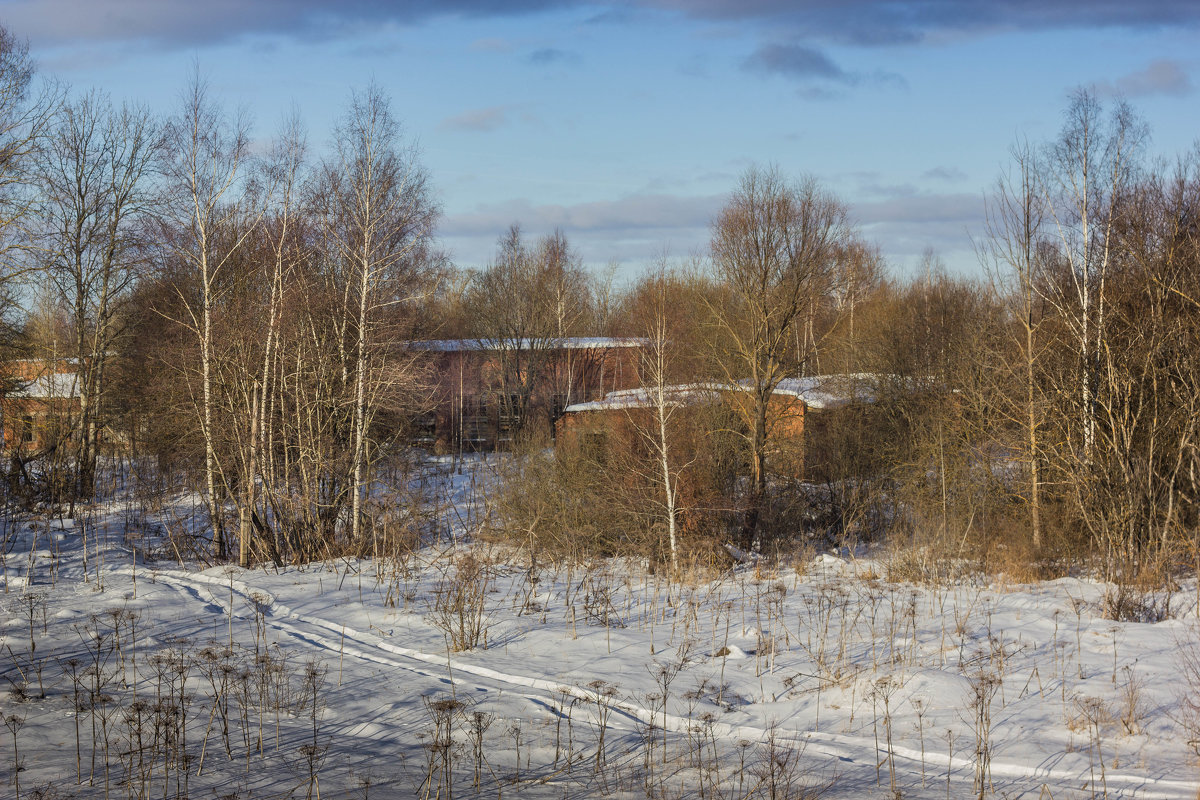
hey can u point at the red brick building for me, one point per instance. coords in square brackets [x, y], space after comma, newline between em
[37, 403]
[800, 413]
[487, 391]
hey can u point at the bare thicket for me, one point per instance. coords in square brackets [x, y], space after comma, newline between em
[234, 327]
[240, 321]
[460, 602]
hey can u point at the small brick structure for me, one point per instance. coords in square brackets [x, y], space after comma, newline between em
[796, 405]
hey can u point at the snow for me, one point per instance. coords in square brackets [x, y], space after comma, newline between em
[675, 394]
[829, 391]
[566, 343]
[817, 392]
[827, 660]
[50, 385]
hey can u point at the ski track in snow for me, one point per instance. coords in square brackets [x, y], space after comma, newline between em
[444, 669]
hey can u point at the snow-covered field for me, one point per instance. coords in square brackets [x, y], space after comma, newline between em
[145, 677]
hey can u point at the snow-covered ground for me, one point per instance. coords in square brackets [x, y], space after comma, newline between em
[145, 677]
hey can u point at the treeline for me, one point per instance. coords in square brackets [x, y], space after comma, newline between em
[1039, 417]
[235, 317]
[229, 312]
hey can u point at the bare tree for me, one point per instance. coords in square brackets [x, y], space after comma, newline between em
[508, 305]
[1083, 175]
[656, 364]
[527, 301]
[24, 115]
[1013, 251]
[858, 276]
[775, 244]
[93, 171]
[208, 211]
[568, 301]
[376, 215]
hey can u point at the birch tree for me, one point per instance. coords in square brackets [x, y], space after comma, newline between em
[376, 214]
[568, 303]
[1083, 174]
[656, 365]
[859, 274]
[251, 379]
[208, 210]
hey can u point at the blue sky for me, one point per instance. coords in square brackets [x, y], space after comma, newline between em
[626, 123]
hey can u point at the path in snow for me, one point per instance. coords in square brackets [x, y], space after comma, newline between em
[852, 754]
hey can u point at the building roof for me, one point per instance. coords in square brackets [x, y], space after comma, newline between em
[565, 343]
[830, 391]
[817, 392]
[40, 378]
[48, 386]
[643, 397]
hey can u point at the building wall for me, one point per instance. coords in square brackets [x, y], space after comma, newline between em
[38, 404]
[470, 407]
[31, 424]
[787, 416]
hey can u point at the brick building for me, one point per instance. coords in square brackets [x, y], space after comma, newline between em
[802, 413]
[37, 404]
[487, 391]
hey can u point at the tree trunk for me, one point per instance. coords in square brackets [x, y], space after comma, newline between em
[210, 458]
[360, 408]
[1035, 502]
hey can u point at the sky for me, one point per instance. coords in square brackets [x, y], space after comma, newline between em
[628, 123]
